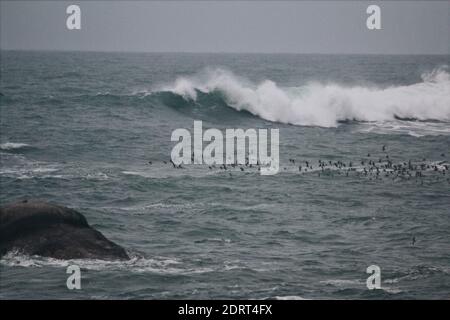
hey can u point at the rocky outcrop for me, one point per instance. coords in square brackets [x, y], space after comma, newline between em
[49, 230]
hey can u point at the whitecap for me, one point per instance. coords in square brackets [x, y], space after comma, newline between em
[138, 264]
[13, 145]
[289, 298]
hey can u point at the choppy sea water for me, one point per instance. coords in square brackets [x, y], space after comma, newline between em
[80, 128]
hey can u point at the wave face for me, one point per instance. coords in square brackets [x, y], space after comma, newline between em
[319, 104]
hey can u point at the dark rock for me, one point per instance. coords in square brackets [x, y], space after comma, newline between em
[49, 230]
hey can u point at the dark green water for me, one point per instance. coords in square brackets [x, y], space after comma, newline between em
[79, 129]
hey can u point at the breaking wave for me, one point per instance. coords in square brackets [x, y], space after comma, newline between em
[321, 104]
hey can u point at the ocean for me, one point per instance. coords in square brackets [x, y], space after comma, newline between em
[79, 129]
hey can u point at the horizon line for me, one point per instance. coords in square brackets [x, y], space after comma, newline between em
[222, 52]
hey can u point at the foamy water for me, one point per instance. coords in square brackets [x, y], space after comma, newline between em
[12, 145]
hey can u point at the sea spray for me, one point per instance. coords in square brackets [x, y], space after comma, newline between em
[319, 104]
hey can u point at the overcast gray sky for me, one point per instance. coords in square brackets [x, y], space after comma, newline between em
[416, 27]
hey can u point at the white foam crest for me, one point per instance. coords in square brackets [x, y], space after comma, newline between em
[289, 298]
[138, 264]
[13, 145]
[412, 128]
[318, 104]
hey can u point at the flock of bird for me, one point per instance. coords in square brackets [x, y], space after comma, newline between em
[373, 168]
